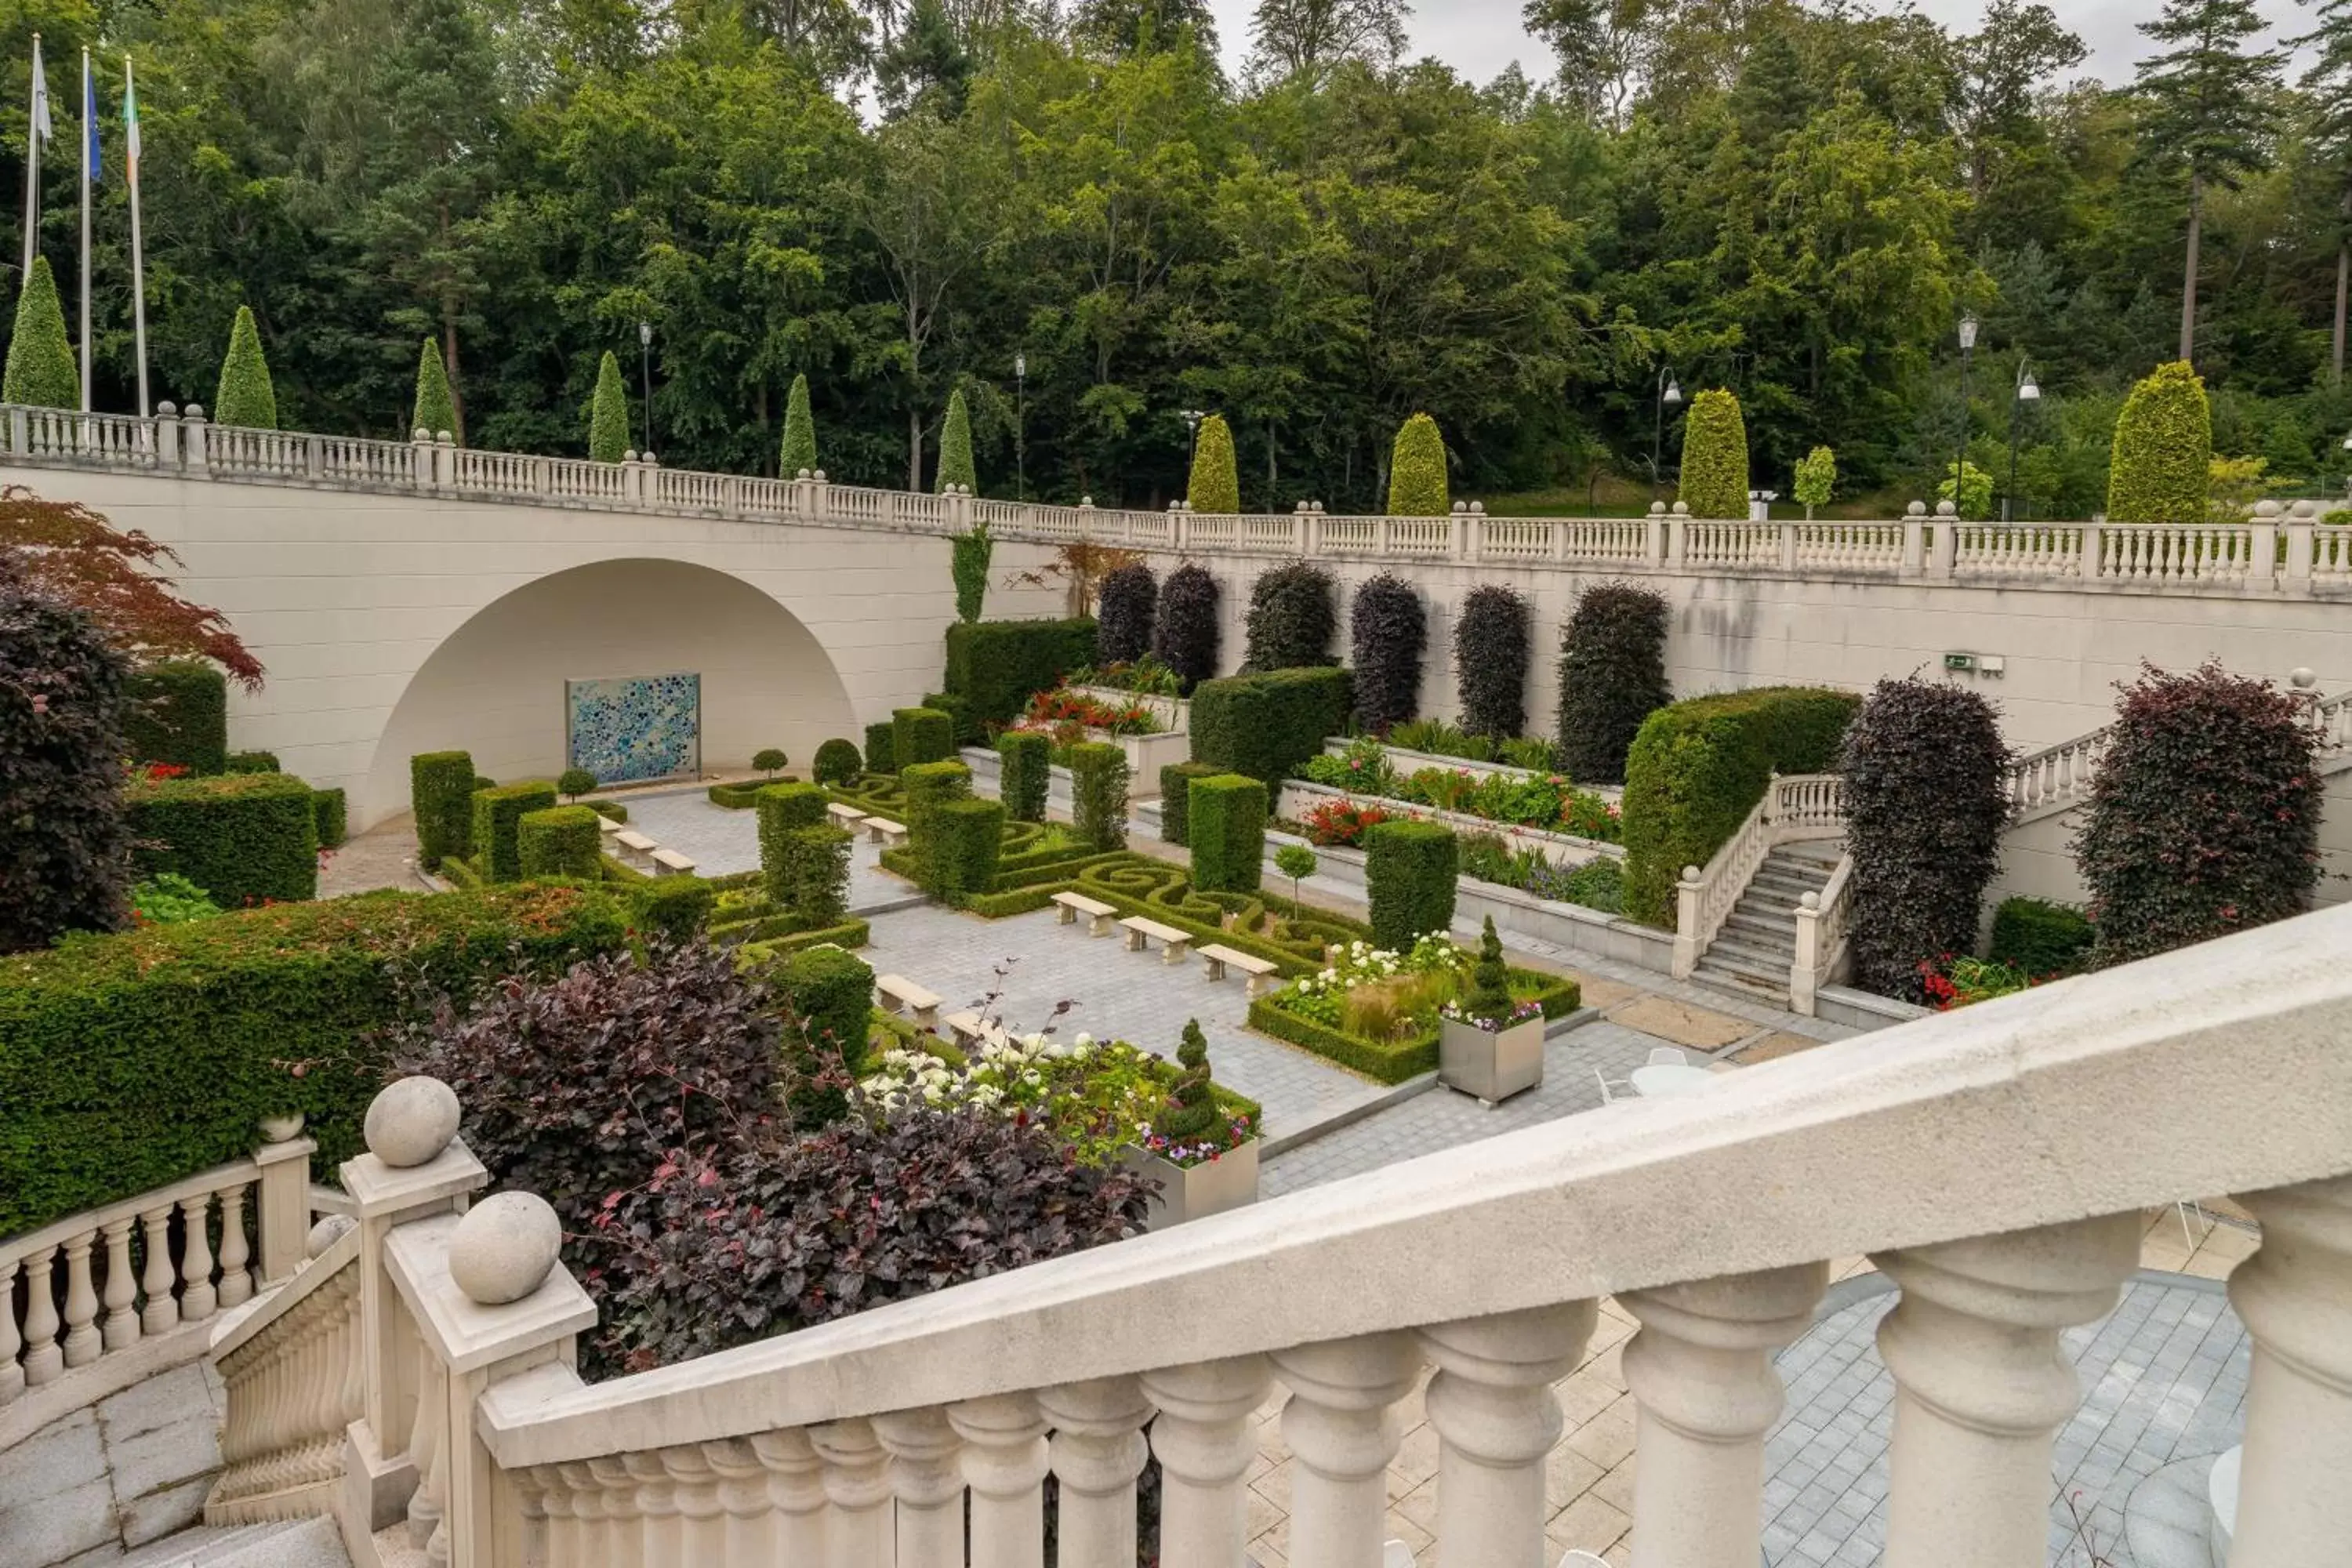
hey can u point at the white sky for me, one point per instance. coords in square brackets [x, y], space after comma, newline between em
[1479, 38]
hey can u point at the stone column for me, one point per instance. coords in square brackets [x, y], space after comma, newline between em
[1787, 541]
[121, 1326]
[2295, 1297]
[1700, 1370]
[1678, 536]
[857, 1484]
[420, 457]
[2087, 564]
[1202, 1441]
[1341, 1425]
[1004, 1465]
[1946, 550]
[198, 1298]
[2262, 545]
[166, 426]
[1654, 535]
[282, 1209]
[1097, 1451]
[929, 1486]
[197, 461]
[1982, 1386]
[2301, 519]
[1496, 1420]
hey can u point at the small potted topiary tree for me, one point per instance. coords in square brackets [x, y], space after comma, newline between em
[1489, 1046]
[574, 783]
[1204, 1160]
[770, 761]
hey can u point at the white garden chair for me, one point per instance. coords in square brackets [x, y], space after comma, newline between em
[1611, 1087]
[1583, 1560]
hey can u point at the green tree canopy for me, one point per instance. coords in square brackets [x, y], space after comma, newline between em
[1715, 457]
[608, 414]
[1417, 482]
[799, 452]
[435, 411]
[1217, 484]
[41, 368]
[245, 396]
[1816, 478]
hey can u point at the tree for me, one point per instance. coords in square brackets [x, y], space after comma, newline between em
[1387, 632]
[41, 369]
[1215, 485]
[2209, 112]
[1974, 500]
[799, 451]
[1185, 632]
[1715, 457]
[2329, 84]
[1304, 40]
[246, 397]
[608, 414]
[1145, 26]
[2019, 47]
[968, 553]
[434, 412]
[1816, 480]
[2162, 461]
[1417, 481]
[956, 470]
[1604, 46]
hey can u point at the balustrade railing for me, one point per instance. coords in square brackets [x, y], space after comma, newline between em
[2032, 550]
[2174, 553]
[292, 1367]
[2056, 777]
[1799, 806]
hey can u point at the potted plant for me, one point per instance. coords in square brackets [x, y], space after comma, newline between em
[1204, 1163]
[1488, 1045]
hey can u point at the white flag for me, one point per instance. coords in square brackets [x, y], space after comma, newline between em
[40, 95]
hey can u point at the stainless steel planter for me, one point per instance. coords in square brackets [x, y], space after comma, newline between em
[1491, 1066]
[1190, 1192]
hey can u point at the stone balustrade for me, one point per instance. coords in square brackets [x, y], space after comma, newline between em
[1798, 806]
[291, 1364]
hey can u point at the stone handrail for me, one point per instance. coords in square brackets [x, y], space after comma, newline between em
[1823, 922]
[2275, 552]
[1801, 806]
[292, 1365]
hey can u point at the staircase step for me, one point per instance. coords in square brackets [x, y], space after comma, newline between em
[1734, 952]
[1767, 935]
[1741, 984]
[1789, 882]
[1767, 904]
[1824, 852]
[287, 1543]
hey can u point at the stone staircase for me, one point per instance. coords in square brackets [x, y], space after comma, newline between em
[284, 1544]
[1750, 956]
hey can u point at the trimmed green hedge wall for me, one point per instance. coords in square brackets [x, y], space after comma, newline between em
[130, 1061]
[332, 815]
[562, 841]
[963, 725]
[672, 908]
[1176, 798]
[785, 809]
[242, 837]
[177, 713]
[921, 735]
[831, 993]
[441, 793]
[815, 884]
[2041, 938]
[1099, 778]
[1409, 870]
[1267, 725]
[1025, 773]
[997, 666]
[496, 813]
[1698, 767]
[1227, 821]
[882, 748]
[252, 762]
[957, 847]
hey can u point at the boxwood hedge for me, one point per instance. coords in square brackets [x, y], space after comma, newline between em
[441, 794]
[1227, 825]
[242, 837]
[178, 713]
[498, 813]
[562, 841]
[997, 666]
[1266, 725]
[1409, 878]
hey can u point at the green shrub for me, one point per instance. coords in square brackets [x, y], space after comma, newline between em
[957, 845]
[2162, 460]
[252, 762]
[1176, 798]
[2039, 938]
[1395, 1061]
[831, 993]
[672, 909]
[1267, 725]
[929, 786]
[816, 883]
[1124, 609]
[1228, 822]
[963, 728]
[1025, 772]
[1698, 767]
[799, 451]
[921, 735]
[1715, 457]
[247, 838]
[1613, 676]
[1099, 785]
[1409, 874]
[574, 783]
[441, 794]
[740, 796]
[956, 470]
[770, 761]
[837, 762]
[997, 666]
[65, 839]
[245, 396]
[498, 813]
[132, 1061]
[178, 713]
[784, 810]
[560, 841]
[1417, 482]
[1291, 618]
[331, 813]
[882, 748]
[609, 810]
[1491, 642]
[1816, 478]
[969, 554]
[41, 369]
[1185, 628]
[1216, 483]
[1388, 631]
[608, 414]
[435, 411]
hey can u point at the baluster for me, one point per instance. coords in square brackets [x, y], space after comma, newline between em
[1982, 1386]
[658, 1526]
[573, 1517]
[1496, 1420]
[425, 1446]
[1341, 1425]
[237, 1278]
[1202, 1442]
[122, 1287]
[1097, 1452]
[616, 1493]
[82, 1339]
[857, 1484]
[11, 1372]
[43, 1360]
[741, 1494]
[1004, 1465]
[796, 1492]
[2294, 1295]
[928, 1484]
[196, 1298]
[162, 1313]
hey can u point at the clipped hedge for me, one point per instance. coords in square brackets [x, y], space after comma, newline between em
[1186, 633]
[41, 369]
[956, 470]
[1698, 767]
[242, 837]
[784, 810]
[331, 814]
[921, 735]
[245, 395]
[797, 452]
[2041, 938]
[966, 728]
[672, 909]
[1227, 823]
[2160, 467]
[1715, 457]
[1099, 778]
[1417, 482]
[1266, 725]
[435, 410]
[441, 794]
[957, 845]
[1409, 878]
[815, 884]
[128, 1062]
[252, 762]
[997, 666]
[882, 747]
[831, 992]
[1613, 676]
[608, 414]
[497, 816]
[177, 713]
[1291, 618]
[1388, 630]
[837, 762]
[1393, 1061]
[1025, 772]
[1176, 798]
[1491, 641]
[562, 841]
[609, 810]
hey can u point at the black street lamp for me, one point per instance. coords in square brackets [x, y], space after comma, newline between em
[2027, 391]
[645, 346]
[1670, 395]
[1021, 426]
[1191, 417]
[1960, 459]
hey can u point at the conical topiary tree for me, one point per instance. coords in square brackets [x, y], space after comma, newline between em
[1715, 457]
[799, 433]
[1489, 1003]
[1191, 1113]
[955, 446]
[436, 410]
[2163, 451]
[608, 414]
[40, 359]
[245, 396]
[1417, 471]
[1216, 477]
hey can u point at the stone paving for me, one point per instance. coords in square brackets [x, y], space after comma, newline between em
[130, 1470]
[720, 842]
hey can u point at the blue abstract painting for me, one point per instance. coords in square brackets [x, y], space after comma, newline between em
[634, 727]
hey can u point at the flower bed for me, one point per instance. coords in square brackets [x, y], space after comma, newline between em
[1377, 1012]
[1328, 815]
[1545, 801]
[1070, 714]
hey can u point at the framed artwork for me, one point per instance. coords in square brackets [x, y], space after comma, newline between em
[627, 728]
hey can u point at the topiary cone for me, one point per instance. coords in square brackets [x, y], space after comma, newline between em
[608, 414]
[436, 409]
[1217, 484]
[1417, 485]
[245, 396]
[40, 358]
[799, 449]
[955, 446]
[2160, 471]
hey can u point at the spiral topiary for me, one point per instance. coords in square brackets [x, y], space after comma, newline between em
[1191, 1113]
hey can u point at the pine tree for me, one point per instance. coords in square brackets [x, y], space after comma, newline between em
[799, 433]
[2163, 456]
[955, 446]
[41, 370]
[1216, 483]
[435, 411]
[245, 396]
[1715, 457]
[2208, 111]
[608, 414]
[2329, 84]
[1417, 485]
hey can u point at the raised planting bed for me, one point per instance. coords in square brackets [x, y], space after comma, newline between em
[1301, 802]
[1405, 760]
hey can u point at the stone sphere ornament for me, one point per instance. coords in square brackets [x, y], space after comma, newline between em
[412, 1121]
[504, 1247]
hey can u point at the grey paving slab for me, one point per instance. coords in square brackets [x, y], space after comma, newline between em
[720, 842]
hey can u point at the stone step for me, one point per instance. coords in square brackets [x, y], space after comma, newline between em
[1822, 852]
[285, 1543]
[1740, 984]
[1772, 936]
[1768, 904]
[1733, 953]
[1790, 882]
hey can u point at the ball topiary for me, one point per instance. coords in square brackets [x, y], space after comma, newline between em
[2162, 464]
[245, 396]
[436, 409]
[1290, 618]
[1417, 485]
[1387, 632]
[608, 414]
[770, 761]
[956, 470]
[1715, 457]
[1490, 659]
[837, 762]
[41, 370]
[1612, 675]
[1123, 617]
[1185, 633]
[799, 450]
[574, 783]
[1217, 484]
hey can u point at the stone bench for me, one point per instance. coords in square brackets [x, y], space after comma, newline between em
[1215, 959]
[897, 994]
[847, 816]
[607, 827]
[886, 832]
[670, 863]
[1140, 933]
[967, 1030]
[1099, 914]
[636, 849]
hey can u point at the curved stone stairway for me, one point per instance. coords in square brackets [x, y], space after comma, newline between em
[1751, 955]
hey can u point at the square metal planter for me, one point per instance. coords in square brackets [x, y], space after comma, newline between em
[1191, 1191]
[1490, 1067]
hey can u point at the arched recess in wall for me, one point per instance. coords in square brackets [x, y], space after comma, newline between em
[495, 687]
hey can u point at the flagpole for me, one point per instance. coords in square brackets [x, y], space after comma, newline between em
[138, 258]
[33, 159]
[88, 176]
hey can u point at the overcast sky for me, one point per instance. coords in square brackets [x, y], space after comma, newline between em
[1479, 38]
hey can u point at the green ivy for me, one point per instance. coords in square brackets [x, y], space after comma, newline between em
[246, 397]
[1217, 484]
[1715, 457]
[41, 369]
[608, 414]
[436, 409]
[1417, 483]
[2163, 453]
[799, 451]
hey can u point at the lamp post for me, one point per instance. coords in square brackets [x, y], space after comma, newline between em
[1191, 417]
[1021, 426]
[1960, 459]
[2348, 469]
[645, 348]
[1670, 393]
[2027, 391]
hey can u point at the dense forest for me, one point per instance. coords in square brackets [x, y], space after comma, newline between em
[900, 197]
